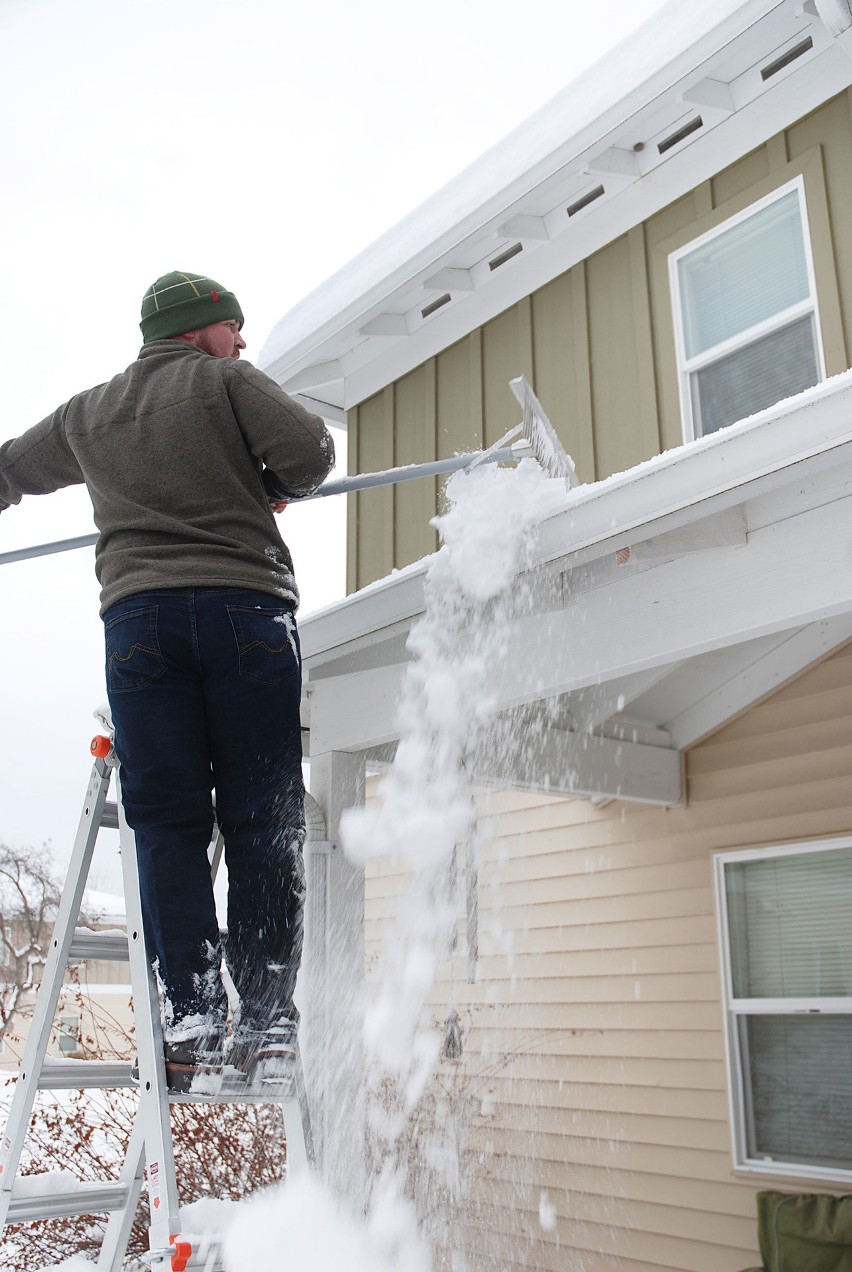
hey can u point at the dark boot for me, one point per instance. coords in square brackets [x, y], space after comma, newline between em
[264, 1056]
[192, 1058]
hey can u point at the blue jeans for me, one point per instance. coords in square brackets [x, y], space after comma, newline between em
[204, 686]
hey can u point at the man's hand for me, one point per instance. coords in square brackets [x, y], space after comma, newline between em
[278, 505]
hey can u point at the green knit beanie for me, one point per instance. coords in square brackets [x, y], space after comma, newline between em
[178, 302]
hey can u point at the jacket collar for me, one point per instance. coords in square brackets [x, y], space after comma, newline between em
[169, 346]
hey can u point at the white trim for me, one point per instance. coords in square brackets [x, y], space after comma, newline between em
[752, 682]
[802, 436]
[687, 366]
[798, 849]
[734, 1009]
[792, 1006]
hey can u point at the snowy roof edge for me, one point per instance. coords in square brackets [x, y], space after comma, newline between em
[670, 489]
[672, 42]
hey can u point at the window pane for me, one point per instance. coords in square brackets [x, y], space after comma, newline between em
[789, 925]
[748, 273]
[801, 1083]
[775, 367]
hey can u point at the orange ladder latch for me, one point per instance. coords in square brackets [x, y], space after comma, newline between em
[182, 1254]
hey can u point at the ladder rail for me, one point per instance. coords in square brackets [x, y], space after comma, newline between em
[153, 1090]
[47, 998]
[120, 1222]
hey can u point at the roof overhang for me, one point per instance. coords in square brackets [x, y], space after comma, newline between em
[672, 596]
[690, 92]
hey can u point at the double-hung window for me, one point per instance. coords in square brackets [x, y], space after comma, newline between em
[745, 310]
[786, 942]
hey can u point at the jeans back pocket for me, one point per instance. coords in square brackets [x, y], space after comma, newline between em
[133, 658]
[267, 643]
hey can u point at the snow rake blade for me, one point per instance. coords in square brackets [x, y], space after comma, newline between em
[541, 434]
[538, 440]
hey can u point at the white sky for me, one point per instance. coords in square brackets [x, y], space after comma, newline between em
[262, 142]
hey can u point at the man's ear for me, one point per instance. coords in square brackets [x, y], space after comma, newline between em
[189, 337]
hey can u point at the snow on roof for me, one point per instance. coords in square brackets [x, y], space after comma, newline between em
[634, 72]
[105, 903]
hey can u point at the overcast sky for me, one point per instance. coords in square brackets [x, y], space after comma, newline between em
[262, 142]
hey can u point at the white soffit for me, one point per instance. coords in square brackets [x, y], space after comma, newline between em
[690, 92]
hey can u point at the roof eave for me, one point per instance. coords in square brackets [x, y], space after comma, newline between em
[346, 340]
[799, 437]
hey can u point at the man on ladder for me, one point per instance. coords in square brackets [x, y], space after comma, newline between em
[186, 455]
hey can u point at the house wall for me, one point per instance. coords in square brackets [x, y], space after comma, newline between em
[105, 1012]
[98, 992]
[597, 344]
[593, 1068]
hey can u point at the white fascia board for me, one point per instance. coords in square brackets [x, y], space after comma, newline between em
[662, 53]
[792, 441]
[384, 607]
[789, 575]
[582, 764]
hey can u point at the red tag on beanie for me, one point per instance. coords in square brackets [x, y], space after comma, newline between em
[215, 296]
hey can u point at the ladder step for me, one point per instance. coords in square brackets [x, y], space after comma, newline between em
[80, 1075]
[105, 946]
[109, 820]
[40, 1197]
[235, 1095]
[228, 1086]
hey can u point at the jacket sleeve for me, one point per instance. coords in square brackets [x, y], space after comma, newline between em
[38, 462]
[295, 446]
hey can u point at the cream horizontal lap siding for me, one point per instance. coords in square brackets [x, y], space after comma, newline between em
[597, 343]
[593, 1066]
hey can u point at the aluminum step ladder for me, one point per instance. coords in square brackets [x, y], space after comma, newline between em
[149, 1158]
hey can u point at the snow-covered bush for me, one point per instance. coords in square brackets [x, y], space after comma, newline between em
[223, 1151]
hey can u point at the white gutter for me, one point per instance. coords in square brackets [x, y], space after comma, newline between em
[794, 439]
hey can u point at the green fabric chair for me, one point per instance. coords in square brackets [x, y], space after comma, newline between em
[804, 1232]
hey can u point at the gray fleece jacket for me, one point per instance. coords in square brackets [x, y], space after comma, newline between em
[181, 454]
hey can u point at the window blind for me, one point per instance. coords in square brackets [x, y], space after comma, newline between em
[801, 1088]
[756, 376]
[789, 920]
[744, 275]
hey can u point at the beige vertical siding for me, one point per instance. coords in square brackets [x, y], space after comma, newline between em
[593, 1068]
[415, 441]
[598, 344]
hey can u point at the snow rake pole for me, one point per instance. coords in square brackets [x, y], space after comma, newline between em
[538, 441]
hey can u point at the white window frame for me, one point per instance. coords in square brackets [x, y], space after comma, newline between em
[738, 1096]
[69, 1032]
[686, 367]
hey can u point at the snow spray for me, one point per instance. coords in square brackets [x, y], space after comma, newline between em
[424, 812]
